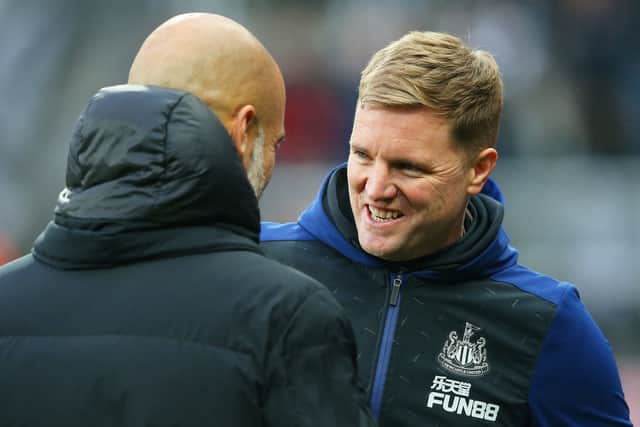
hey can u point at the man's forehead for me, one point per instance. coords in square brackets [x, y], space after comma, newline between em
[403, 123]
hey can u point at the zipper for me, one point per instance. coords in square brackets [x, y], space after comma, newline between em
[386, 346]
[395, 290]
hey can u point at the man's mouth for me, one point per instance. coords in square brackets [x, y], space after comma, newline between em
[383, 215]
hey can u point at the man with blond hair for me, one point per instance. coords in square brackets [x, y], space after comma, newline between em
[146, 301]
[408, 236]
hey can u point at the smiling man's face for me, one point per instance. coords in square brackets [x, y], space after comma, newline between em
[408, 182]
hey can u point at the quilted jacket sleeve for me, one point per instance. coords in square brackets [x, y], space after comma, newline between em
[312, 375]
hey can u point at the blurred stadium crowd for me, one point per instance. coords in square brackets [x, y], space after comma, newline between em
[569, 137]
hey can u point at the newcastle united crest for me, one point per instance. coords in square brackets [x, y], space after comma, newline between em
[462, 356]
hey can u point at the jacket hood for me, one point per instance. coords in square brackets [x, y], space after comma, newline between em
[154, 157]
[483, 250]
[147, 159]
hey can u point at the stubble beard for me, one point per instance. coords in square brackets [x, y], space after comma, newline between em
[255, 173]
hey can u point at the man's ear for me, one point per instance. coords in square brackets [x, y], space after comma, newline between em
[240, 130]
[481, 168]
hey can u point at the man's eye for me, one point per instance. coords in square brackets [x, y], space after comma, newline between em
[412, 170]
[408, 166]
[360, 154]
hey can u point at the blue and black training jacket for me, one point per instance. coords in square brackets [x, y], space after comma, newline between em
[464, 337]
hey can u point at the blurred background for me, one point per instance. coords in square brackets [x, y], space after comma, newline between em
[569, 139]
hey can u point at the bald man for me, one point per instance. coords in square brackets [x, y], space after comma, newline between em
[146, 300]
[225, 66]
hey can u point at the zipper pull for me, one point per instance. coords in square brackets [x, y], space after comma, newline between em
[395, 290]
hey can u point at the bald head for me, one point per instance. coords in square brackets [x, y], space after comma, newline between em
[223, 64]
[213, 57]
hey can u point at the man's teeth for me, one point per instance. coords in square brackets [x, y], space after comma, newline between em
[382, 214]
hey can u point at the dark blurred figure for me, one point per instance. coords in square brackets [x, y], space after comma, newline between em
[598, 41]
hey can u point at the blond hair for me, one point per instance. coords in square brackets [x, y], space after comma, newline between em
[438, 71]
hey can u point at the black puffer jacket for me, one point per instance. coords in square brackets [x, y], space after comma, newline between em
[146, 302]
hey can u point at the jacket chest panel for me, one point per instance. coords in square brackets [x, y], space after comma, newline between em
[462, 354]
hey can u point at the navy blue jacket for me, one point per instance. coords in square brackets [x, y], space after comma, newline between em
[464, 337]
[147, 301]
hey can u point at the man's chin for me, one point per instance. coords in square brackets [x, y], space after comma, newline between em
[379, 249]
[258, 186]
[259, 192]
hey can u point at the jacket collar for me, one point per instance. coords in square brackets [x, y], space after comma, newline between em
[66, 248]
[483, 250]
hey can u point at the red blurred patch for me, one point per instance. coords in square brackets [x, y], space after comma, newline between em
[630, 375]
[7, 251]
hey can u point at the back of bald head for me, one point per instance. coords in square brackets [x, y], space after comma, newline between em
[214, 58]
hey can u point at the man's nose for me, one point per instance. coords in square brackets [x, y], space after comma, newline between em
[379, 185]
